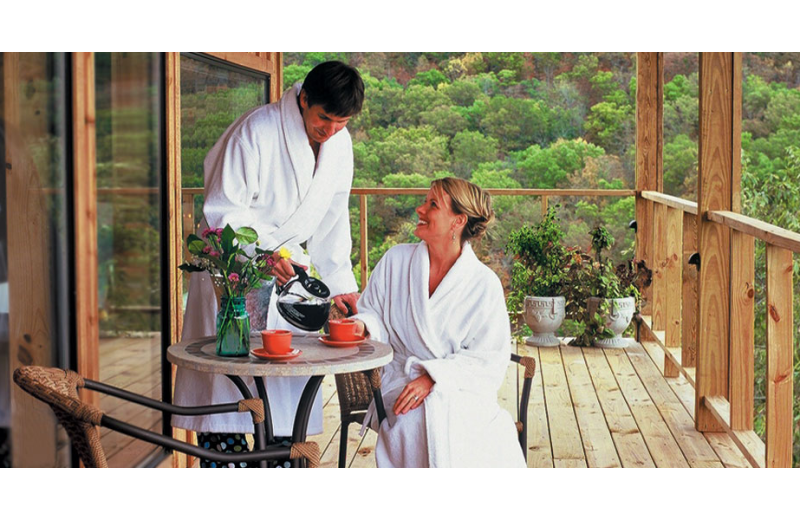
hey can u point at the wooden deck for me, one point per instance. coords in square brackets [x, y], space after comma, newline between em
[589, 407]
[133, 364]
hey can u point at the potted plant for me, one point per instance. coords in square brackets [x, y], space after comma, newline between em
[611, 295]
[537, 278]
[235, 269]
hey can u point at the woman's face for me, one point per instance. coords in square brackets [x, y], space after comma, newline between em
[436, 218]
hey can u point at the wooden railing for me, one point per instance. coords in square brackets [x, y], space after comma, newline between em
[673, 317]
[670, 318]
[188, 194]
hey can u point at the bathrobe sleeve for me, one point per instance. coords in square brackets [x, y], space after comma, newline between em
[371, 304]
[480, 364]
[231, 183]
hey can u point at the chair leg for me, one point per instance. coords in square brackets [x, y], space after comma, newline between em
[343, 444]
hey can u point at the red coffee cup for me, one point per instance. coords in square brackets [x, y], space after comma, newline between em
[343, 330]
[277, 341]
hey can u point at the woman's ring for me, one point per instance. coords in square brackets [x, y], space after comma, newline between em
[416, 398]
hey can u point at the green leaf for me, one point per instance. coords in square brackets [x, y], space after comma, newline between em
[227, 238]
[246, 235]
[195, 246]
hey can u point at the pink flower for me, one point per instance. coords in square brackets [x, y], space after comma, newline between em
[233, 277]
[207, 250]
[270, 261]
[212, 231]
[215, 254]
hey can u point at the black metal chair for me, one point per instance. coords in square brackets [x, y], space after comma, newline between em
[356, 390]
[59, 389]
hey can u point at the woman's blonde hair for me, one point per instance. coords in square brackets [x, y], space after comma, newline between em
[470, 200]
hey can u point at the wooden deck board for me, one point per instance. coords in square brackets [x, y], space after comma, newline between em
[540, 454]
[692, 443]
[565, 436]
[597, 442]
[628, 440]
[588, 407]
[662, 446]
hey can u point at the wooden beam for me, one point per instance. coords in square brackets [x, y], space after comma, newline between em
[742, 322]
[687, 206]
[649, 140]
[85, 217]
[780, 417]
[717, 156]
[659, 267]
[364, 245]
[672, 277]
[689, 294]
[761, 230]
[751, 446]
[173, 186]
[30, 306]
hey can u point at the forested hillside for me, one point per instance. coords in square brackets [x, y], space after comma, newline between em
[563, 120]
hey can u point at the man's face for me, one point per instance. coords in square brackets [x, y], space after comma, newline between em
[320, 126]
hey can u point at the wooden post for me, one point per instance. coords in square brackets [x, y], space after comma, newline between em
[689, 294]
[779, 357]
[544, 206]
[649, 138]
[659, 266]
[672, 277]
[30, 328]
[720, 79]
[364, 245]
[742, 327]
[85, 190]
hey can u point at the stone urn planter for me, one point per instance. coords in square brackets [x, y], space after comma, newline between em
[544, 314]
[618, 319]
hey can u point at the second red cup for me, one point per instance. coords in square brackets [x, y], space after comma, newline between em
[343, 330]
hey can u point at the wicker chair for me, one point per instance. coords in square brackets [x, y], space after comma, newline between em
[59, 389]
[355, 394]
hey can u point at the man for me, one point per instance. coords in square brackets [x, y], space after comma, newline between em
[284, 169]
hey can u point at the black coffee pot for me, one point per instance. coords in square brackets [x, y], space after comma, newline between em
[304, 301]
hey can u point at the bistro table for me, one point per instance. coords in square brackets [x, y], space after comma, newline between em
[316, 360]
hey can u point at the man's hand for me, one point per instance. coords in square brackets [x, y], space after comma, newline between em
[350, 299]
[283, 269]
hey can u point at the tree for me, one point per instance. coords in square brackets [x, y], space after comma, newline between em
[471, 149]
[549, 167]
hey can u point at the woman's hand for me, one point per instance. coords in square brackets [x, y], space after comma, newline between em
[413, 394]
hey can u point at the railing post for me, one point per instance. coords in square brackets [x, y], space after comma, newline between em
[187, 212]
[720, 87]
[689, 294]
[544, 205]
[742, 370]
[672, 277]
[364, 249]
[780, 371]
[659, 266]
[649, 139]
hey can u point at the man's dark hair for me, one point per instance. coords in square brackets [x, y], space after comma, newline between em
[337, 87]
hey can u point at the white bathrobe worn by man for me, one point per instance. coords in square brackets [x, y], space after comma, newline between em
[461, 337]
[262, 173]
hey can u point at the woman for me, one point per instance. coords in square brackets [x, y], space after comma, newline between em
[444, 314]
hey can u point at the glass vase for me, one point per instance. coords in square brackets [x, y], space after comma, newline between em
[233, 328]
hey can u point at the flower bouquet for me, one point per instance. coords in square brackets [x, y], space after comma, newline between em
[235, 270]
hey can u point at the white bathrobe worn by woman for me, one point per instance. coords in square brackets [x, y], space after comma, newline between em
[262, 173]
[461, 337]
